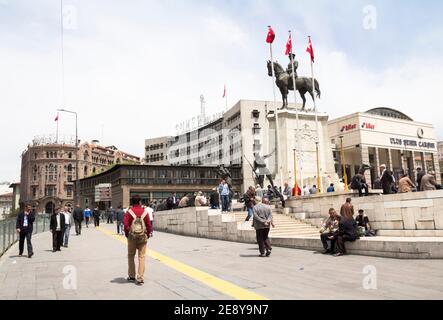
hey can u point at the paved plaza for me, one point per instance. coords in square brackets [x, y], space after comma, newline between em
[200, 269]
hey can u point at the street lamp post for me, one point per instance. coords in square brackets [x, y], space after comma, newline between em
[345, 175]
[77, 182]
[295, 173]
[319, 186]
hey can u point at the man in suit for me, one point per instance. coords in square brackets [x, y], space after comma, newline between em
[56, 226]
[25, 227]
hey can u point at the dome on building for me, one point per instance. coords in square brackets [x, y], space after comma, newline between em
[389, 113]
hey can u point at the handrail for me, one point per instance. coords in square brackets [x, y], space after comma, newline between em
[9, 236]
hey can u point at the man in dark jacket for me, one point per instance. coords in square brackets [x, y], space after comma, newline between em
[25, 226]
[214, 199]
[78, 219]
[347, 232]
[420, 175]
[56, 226]
[119, 217]
[387, 180]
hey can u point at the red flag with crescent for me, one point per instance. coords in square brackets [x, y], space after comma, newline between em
[271, 35]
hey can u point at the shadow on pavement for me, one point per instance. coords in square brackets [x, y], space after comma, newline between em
[249, 255]
[120, 281]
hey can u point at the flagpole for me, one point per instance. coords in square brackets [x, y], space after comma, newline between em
[56, 134]
[320, 187]
[296, 150]
[277, 144]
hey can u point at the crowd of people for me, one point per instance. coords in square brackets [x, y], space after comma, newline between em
[135, 222]
[426, 181]
[344, 227]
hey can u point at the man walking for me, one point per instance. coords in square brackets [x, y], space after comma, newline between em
[87, 214]
[249, 198]
[119, 218]
[25, 227]
[67, 228]
[96, 216]
[262, 223]
[56, 226]
[138, 230]
[78, 219]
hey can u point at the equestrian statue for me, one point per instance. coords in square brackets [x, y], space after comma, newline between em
[284, 80]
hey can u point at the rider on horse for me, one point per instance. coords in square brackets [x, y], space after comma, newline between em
[292, 67]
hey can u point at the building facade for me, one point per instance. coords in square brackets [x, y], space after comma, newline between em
[249, 128]
[156, 151]
[48, 170]
[440, 157]
[151, 183]
[6, 200]
[383, 136]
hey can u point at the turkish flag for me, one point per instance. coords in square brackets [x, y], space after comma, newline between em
[310, 50]
[56, 118]
[271, 35]
[289, 45]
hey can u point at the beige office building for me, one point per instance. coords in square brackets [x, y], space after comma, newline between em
[384, 136]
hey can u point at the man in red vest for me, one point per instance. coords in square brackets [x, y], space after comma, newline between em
[138, 229]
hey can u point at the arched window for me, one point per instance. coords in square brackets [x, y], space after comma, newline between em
[93, 170]
[70, 155]
[70, 168]
[86, 171]
[86, 156]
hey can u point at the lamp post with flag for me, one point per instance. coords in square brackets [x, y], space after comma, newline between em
[270, 39]
[289, 51]
[56, 133]
[225, 96]
[310, 50]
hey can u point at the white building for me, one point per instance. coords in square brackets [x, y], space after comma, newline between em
[156, 151]
[384, 136]
[250, 127]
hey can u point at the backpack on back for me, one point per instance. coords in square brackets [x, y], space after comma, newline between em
[137, 230]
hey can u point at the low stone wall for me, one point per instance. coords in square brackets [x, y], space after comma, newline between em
[205, 223]
[202, 222]
[417, 211]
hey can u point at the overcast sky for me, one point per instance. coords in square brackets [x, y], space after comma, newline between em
[134, 69]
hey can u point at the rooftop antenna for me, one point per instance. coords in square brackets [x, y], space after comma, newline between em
[203, 109]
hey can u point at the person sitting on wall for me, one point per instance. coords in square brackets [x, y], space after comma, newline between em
[331, 188]
[329, 231]
[200, 200]
[359, 183]
[364, 225]
[405, 185]
[347, 232]
[184, 202]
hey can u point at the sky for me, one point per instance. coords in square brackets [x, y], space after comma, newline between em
[134, 69]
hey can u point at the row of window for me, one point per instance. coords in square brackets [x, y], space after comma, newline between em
[52, 155]
[157, 146]
[51, 191]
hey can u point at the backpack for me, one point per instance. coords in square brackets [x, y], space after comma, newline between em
[137, 230]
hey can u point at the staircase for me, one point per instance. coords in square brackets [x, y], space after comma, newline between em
[285, 226]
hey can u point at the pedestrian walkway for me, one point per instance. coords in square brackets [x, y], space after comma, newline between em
[192, 268]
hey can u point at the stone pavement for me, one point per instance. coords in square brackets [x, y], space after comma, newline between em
[100, 263]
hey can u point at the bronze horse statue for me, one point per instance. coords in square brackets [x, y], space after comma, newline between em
[285, 84]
